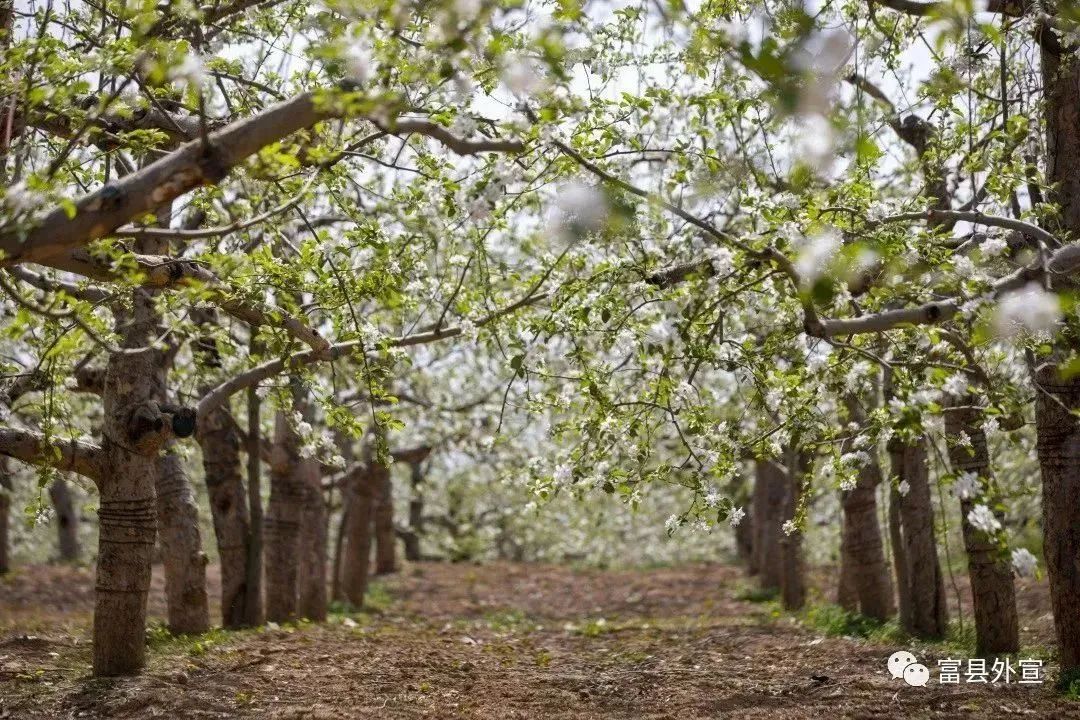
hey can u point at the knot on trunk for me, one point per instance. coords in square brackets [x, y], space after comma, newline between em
[150, 425]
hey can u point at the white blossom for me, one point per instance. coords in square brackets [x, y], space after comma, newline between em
[582, 205]
[1024, 562]
[358, 62]
[721, 259]
[815, 255]
[21, 199]
[903, 488]
[994, 246]
[966, 486]
[190, 70]
[671, 524]
[736, 517]
[956, 384]
[1030, 308]
[815, 142]
[522, 77]
[789, 527]
[982, 518]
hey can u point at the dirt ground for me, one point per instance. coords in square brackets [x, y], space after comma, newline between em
[496, 641]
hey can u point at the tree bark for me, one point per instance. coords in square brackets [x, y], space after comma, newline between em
[127, 507]
[416, 514]
[1059, 458]
[1058, 434]
[336, 593]
[359, 496]
[253, 607]
[385, 538]
[282, 525]
[847, 594]
[311, 579]
[792, 578]
[5, 516]
[923, 585]
[862, 553]
[220, 443]
[744, 541]
[992, 590]
[185, 563]
[899, 552]
[769, 493]
[67, 520]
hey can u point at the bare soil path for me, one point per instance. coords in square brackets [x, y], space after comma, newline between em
[494, 641]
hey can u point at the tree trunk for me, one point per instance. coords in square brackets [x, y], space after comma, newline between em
[1059, 458]
[1057, 429]
[282, 525]
[744, 541]
[336, 593]
[899, 552]
[847, 595]
[67, 520]
[127, 513]
[358, 516]
[253, 607]
[862, 553]
[185, 563]
[792, 578]
[385, 538]
[178, 515]
[769, 492]
[924, 584]
[416, 514]
[220, 443]
[311, 578]
[5, 516]
[992, 590]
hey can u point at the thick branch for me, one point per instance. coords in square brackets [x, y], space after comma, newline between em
[79, 456]
[1012, 8]
[1064, 262]
[454, 143]
[194, 164]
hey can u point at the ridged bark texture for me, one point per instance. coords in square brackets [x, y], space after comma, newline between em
[311, 577]
[1059, 458]
[385, 538]
[282, 525]
[793, 572]
[359, 495]
[862, 552]
[220, 443]
[768, 501]
[185, 563]
[992, 590]
[923, 588]
[67, 520]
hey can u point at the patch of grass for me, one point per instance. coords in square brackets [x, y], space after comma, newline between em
[835, 621]
[377, 600]
[960, 637]
[159, 639]
[751, 593]
[593, 628]
[509, 621]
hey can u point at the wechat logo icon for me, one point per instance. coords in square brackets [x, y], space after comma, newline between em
[903, 664]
